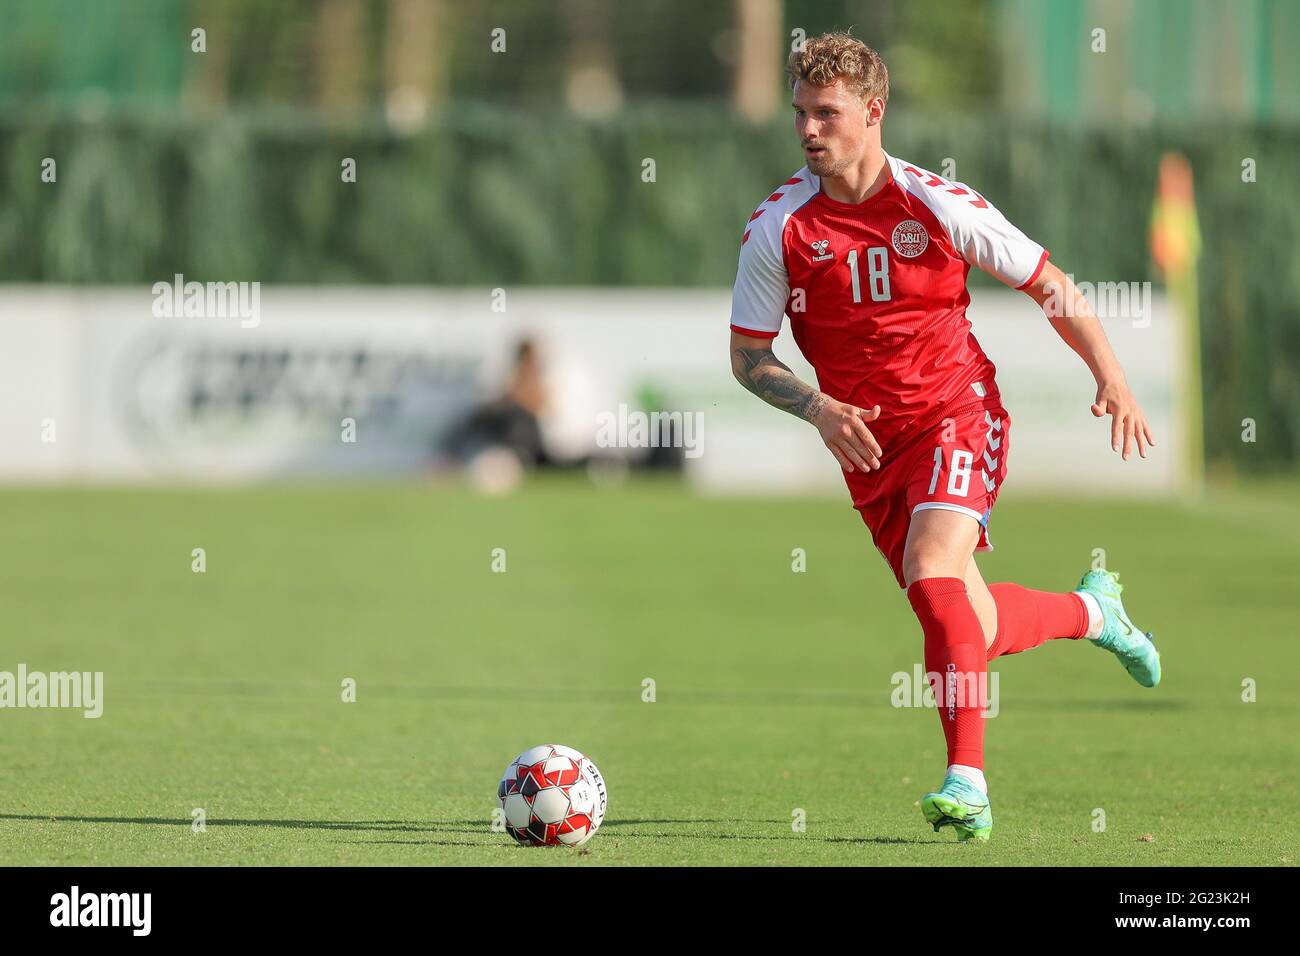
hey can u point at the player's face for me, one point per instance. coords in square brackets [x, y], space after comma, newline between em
[832, 126]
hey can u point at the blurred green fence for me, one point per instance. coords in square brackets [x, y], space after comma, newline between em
[496, 198]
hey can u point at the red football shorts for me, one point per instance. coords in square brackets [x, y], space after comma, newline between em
[957, 465]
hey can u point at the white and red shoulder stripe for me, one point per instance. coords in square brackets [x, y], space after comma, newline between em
[789, 196]
[762, 282]
[979, 232]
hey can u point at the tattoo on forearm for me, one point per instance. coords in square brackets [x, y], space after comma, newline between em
[760, 371]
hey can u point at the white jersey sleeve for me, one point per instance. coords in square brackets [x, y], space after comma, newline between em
[982, 235]
[762, 286]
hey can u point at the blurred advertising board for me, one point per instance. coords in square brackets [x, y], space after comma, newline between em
[127, 384]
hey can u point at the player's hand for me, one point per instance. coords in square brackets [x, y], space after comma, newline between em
[844, 430]
[1128, 426]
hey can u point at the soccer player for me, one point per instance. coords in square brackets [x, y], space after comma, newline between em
[868, 254]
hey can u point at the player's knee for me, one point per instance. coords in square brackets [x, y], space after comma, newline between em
[926, 560]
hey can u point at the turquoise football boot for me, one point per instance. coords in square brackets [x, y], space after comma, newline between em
[1135, 649]
[961, 805]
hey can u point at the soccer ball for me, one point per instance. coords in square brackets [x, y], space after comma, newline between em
[552, 796]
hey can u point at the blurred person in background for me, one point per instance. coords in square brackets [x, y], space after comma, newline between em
[509, 423]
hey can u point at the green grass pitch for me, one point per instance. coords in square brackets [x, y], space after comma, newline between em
[223, 689]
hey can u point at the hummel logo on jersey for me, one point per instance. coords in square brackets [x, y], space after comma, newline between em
[819, 247]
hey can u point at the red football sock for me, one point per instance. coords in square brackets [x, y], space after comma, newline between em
[954, 653]
[1028, 618]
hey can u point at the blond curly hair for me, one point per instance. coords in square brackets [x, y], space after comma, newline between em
[831, 56]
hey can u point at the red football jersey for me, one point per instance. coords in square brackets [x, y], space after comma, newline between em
[876, 292]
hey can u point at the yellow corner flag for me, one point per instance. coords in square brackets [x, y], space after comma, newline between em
[1175, 248]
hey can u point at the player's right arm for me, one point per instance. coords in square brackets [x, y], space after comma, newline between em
[757, 309]
[842, 427]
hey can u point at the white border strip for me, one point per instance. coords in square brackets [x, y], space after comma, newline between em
[945, 506]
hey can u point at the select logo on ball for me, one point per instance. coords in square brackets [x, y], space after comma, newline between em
[910, 239]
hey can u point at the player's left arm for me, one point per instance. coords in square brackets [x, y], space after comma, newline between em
[1072, 317]
[988, 240]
